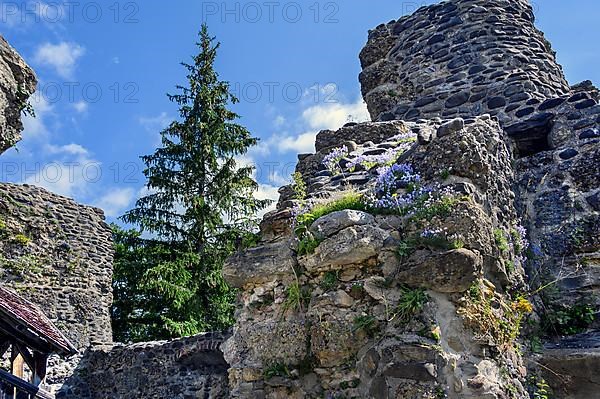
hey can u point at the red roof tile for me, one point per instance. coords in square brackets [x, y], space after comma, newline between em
[24, 312]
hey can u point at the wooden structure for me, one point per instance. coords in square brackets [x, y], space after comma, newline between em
[27, 339]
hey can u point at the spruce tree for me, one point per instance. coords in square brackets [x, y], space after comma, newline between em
[200, 201]
[136, 309]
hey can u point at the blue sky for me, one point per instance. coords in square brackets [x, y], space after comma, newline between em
[105, 67]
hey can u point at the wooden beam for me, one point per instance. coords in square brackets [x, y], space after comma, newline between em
[39, 373]
[16, 362]
[16, 328]
[4, 347]
[26, 355]
[24, 386]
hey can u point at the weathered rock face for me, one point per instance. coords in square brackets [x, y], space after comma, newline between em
[185, 368]
[17, 83]
[460, 58]
[356, 319]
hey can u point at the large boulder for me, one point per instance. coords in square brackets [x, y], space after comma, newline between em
[448, 272]
[269, 262]
[17, 83]
[334, 222]
[353, 245]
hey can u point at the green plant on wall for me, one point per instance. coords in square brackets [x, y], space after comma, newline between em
[410, 304]
[21, 239]
[501, 241]
[540, 388]
[299, 187]
[405, 248]
[297, 297]
[441, 208]
[560, 320]
[329, 281]
[349, 200]
[26, 264]
[491, 316]
[307, 244]
[367, 324]
[276, 370]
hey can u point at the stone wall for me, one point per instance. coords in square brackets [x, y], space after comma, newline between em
[469, 57]
[187, 368]
[558, 194]
[17, 83]
[459, 58]
[58, 254]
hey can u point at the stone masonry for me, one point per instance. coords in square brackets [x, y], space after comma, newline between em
[460, 58]
[185, 368]
[58, 254]
[317, 349]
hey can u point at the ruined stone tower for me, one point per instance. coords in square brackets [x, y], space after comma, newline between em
[460, 58]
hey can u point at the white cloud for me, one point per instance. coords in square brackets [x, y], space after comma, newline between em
[302, 143]
[335, 115]
[81, 106]
[279, 121]
[145, 191]
[314, 119]
[116, 201]
[62, 57]
[277, 179]
[71, 149]
[69, 178]
[267, 191]
[71, 173]
[155, 123]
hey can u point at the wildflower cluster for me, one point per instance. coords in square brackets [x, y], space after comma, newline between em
[370, 161]
[432, 233]
[420, 202]
[402, 142]
[332, 160]
[515, 241]
[394, 177]
[518, 242]
[494, 320]
[397, 189]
